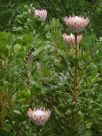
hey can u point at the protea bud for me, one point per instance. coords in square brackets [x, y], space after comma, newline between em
[41, 13]
[71, 38]
[39, 115]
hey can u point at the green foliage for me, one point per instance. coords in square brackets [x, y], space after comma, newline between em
[37, 70]
[56, 8]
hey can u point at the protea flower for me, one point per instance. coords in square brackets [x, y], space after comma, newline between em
[41, 13]
[76, 23]
[39, 115]
[71, 38]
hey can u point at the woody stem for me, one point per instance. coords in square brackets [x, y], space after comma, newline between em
[37, 132]
[75, 71]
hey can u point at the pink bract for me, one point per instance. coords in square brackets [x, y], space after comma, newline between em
[71, 38]
[39, 115]
[41, 13]
[76, 23]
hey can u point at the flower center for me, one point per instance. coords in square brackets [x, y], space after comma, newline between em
[39, 113]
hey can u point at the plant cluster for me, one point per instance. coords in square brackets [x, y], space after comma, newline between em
[39, 66]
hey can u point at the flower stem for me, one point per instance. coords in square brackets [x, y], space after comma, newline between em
[37, 131]
[0, 111]
[75, 70]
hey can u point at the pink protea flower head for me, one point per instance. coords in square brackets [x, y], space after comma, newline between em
[39, 115]
[41, 13]
[76, 23]
[71, 38]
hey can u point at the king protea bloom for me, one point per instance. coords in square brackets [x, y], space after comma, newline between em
[71, 38]
[41, 13]
[76, 23]
[39, 115]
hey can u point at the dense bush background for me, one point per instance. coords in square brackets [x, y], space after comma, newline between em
[37, 69]
[55, 8]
